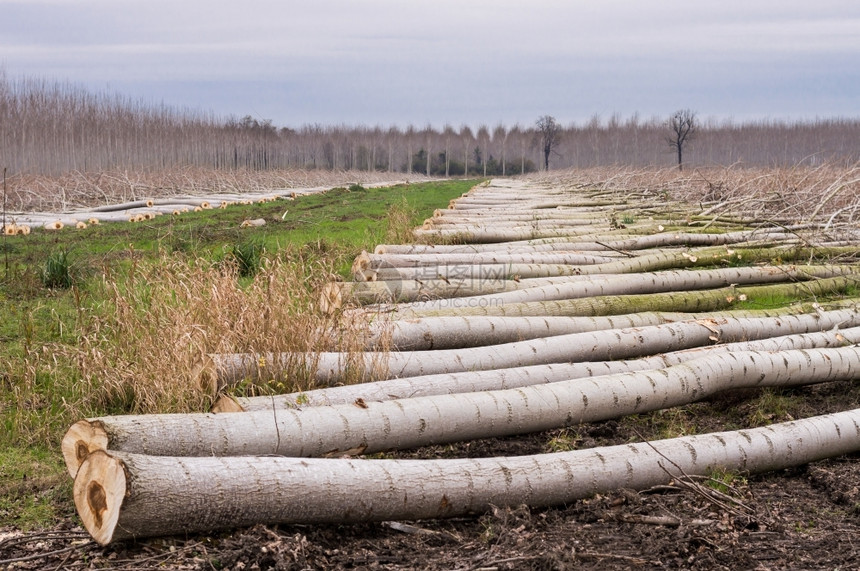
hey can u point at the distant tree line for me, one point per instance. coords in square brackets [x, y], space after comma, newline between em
[50, 128]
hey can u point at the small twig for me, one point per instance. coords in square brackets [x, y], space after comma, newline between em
[708, 494]
[414, 530]
[63, 562]
[6, 543]
[668, 521]
[628, 254]
[277, 428]
[47, 553]
[132, 564]
[634, 560]
[492, 564]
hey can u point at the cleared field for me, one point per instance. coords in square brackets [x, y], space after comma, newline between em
[713, 514]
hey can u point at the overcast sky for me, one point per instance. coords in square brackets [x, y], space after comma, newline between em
[384, 62]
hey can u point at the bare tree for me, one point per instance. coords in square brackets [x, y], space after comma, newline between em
[500, 137]
[52, 129]
[449, 133]
[483, 137]
[682, 127]
[550, 134]
[467, 138]
[429, 135]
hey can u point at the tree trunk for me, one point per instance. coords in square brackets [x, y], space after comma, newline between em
[329, 368]
[498, 379]
[662, 239]
[644, 263]
[366, 266]
[370, 427]
[457, 332]
[684, 301]
[121, 496]
[645, 283]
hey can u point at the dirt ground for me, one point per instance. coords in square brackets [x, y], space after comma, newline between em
[802, 518]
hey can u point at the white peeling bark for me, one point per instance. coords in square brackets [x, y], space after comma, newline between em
[456, 332]
[642, 283]
[482, 234]
[644, 263]
[660, 239]
[122, 496]
[328, 367]
[499, 379]
[673, 300]
[364, 427]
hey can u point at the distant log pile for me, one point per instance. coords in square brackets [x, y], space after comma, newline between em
[522, 308]
[148, 209]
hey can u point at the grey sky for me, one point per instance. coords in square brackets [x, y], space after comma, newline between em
[448, 61]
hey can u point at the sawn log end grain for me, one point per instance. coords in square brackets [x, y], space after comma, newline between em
[81, 440]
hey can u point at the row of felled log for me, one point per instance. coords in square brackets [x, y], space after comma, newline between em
[450, 376]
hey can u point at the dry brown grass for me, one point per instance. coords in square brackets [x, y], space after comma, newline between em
[144, 349]
[399, 225]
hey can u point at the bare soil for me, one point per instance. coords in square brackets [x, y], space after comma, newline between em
[802, 518]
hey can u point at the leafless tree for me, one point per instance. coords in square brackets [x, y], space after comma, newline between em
[467, 138]
[500, 137]
[449, 133]
[682, 128]
[53, 129]
[483, 138]
[550, 135]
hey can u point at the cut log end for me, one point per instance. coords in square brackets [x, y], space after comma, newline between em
[227, 403]
[361, 269]
[206, 374]
[331, 298]
[99, 490]
[81, 440]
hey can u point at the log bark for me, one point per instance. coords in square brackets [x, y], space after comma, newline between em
[328, 368]
[366, 262]
[499, 379]
[645, 263]
[335, 295]
[364, 427]
[121, 496]
[647, 282]
[659, 239]
[458, 332]
[482, 235]
[682, 301]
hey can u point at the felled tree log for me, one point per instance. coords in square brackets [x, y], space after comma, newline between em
[659, 239]
[644, 263]
[328, 368]
[647, 283]
[482, 234]
[682, 301]
[335, 294]
[367, 263]
[499, 379]
[457, 332]
[365, 427]
[121, 496]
